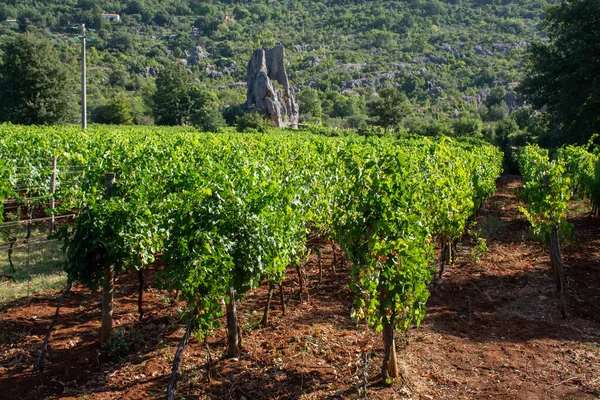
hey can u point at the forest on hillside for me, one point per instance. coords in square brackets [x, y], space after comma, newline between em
[449, 58]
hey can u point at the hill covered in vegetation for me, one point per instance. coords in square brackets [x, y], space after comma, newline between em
[450, 58]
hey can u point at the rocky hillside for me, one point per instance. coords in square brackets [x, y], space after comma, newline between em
[447, 54]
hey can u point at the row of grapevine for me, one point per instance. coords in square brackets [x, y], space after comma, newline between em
[229, 211]
[583, 167]
[548, 185]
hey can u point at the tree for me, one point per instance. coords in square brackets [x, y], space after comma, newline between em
[496, 96]
[498, 112]
[310, 104]
[35, 87]
[390, 109]
[206, 111]
[172, 100]
[208, 118]
[252, 121]
[563, 73]
[122, 42]
[118, 111]
[468, 127]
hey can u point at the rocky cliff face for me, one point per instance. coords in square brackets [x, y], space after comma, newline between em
[269, 88]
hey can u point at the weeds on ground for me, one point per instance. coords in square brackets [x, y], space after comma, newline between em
[480, 246]
[120, 343]
[252, 321]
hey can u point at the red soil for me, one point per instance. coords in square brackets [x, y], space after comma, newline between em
[493, 330]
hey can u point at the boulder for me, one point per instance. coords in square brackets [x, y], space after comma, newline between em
[513, 101]
[449, 49]
[438, 59]
[359, 83]
[198, 54]
[502, 47]
[236, 84]
[483, 52]
[482, 96]
[420, 60]
[269, 89]
[479, 99]
[436, 91]
[430, 59]
[215, 75]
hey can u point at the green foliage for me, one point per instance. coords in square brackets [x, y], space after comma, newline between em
[470, 127]
[496, 96]
[497, 112]
[435, 52]
[206, 112]
[208, 118]
[120, 343]
[562, 73]
[310, 105]
[441, 186]
[549, 184]
[429, 126]
[480, 246]
[583, 168]
[118, 111]
[390, 109]
[5, 186]
[546, 191]
[35, 87]
[252, 121]
[232, 209]
[172, 100]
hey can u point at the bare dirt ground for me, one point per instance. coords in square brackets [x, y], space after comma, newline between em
[493, 331]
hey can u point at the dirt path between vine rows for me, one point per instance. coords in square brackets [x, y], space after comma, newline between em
[493, 331]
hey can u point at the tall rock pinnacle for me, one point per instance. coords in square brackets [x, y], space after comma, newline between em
[269, 88]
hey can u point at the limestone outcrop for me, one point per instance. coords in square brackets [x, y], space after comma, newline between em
[269, 89]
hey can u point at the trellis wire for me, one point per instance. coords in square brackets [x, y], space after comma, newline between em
[29, 244]
[15, 223]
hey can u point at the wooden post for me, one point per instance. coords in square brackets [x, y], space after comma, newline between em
[320, 258]
[109, 277]
[265, 318]
[389, 369]
[281, 298]
[300, 272]
[233, 329]
[40, 364]
[556, 260]
[140, 292]
[559, 269]
[52, 190]
[175, 370]
[334, 256]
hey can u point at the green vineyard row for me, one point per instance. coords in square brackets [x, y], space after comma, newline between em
[551, 179]
[549, 182]
[227, 211]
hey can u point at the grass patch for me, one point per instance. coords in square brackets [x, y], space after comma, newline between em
[38, 267]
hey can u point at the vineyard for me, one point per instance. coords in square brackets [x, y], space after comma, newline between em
[213, 219]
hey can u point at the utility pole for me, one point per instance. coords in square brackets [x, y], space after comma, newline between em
[83, 81]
